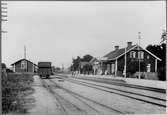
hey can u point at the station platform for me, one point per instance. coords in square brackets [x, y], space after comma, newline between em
[133, 81]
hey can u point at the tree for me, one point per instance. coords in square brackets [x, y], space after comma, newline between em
[159, 51]
[87, 68]
[9, 70]
[87, 58]
[76, 63]
[3, 66]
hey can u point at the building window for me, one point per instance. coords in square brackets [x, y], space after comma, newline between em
[14, 68]
[140, 55]
[23, 64]
[148, 57]
[132, 54]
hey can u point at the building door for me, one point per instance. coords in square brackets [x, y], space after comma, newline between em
[148, 67]
[108, 69]
[24, 65]
[112, 68]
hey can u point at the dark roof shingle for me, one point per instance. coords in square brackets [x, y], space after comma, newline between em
[114, 54]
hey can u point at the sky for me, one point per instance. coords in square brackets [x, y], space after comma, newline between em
[57, 31]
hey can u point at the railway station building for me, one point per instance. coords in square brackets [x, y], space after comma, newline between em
[137, 59]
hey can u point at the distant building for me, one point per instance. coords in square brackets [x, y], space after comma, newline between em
[96, 65]
[24, 65]
[114, 61]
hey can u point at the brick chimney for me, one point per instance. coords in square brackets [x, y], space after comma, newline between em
[116, 47]
[129, 44]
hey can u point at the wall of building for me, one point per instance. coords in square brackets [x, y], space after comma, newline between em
[151, 61]
[29, 67]
[18, 67]
[148, 59]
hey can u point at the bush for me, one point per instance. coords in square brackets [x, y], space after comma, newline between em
[9, 70]
[13, 85]
[162, 73]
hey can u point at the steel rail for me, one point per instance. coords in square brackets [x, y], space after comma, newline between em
[129, 85]
[120, 84]
[127, 91]
[60, 99]
[88, 85]
[51, 91]
[75, 96]
[113, 109]
[93, 86]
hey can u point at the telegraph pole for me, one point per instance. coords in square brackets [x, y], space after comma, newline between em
[62, 67]
[164, 38]
[0, 62]
[139, 37]
[125, 64]
[24, 52]
[2, 16]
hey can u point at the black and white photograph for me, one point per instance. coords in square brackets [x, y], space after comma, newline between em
[76, 57]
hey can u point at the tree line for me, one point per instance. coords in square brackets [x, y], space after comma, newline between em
[76, 64]
[158, 50]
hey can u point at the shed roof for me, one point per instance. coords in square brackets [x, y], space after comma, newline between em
[22, 60]
[44, 64]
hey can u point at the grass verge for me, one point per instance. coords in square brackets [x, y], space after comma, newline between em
[15, 88]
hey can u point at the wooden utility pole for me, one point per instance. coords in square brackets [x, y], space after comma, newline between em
[139, 54]
[0, 62]
[2, 16]
[164, 38]
[24, 52]
[125, 63]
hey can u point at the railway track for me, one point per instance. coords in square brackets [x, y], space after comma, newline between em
[65, 105]
[137, 96]
[70, 107]
[126, 91]
[108, 81]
